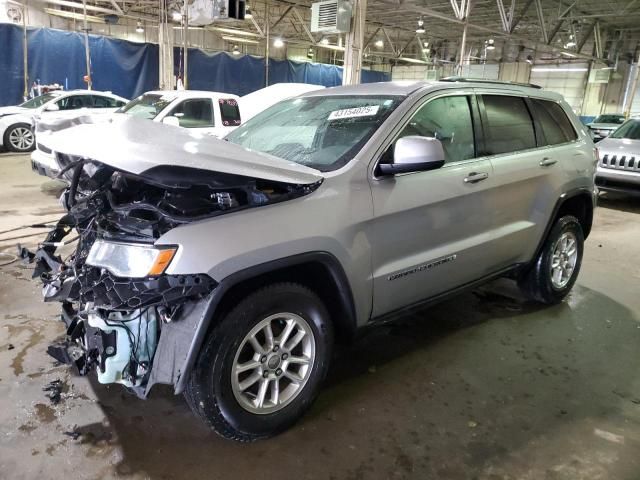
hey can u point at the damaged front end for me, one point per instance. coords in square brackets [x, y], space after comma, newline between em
[118, 304]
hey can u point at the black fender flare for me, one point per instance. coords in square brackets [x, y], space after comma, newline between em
[328, 260]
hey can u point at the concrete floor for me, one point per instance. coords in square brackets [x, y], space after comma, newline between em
[483, 386]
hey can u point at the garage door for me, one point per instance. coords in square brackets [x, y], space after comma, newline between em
[568, 81]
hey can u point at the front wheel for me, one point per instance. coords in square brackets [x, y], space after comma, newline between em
[19, 138]
[556, 268]
[262, 365]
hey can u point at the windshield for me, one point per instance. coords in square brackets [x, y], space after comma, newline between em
[617, 119]
[322, 132]
[630, 130]
[38, 101]
[147, 106]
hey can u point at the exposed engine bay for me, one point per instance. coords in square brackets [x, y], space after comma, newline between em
[116, 304]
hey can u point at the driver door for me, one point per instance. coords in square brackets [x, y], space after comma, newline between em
[432, 230]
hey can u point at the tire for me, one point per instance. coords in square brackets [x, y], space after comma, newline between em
[19, 138]
[217, 396]
[539, 283]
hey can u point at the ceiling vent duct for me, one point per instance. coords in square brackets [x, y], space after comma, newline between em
[332, 16]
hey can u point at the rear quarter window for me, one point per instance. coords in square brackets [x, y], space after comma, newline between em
[229, 112]
[508, 126]
[553, 122]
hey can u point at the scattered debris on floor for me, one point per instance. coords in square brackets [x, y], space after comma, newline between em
[54, 390]
[10, 346]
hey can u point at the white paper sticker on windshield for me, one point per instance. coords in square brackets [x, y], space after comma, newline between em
[367, 111]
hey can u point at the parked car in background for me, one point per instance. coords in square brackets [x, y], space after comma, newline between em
[210, 113]
[16, 123]
[229, 268]
[619, 165]
[603, 125]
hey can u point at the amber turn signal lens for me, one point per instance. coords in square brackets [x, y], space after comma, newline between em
[162, 261]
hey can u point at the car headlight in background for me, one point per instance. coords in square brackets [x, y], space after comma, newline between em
[130, 260]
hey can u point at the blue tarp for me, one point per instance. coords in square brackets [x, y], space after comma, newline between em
[129, 69]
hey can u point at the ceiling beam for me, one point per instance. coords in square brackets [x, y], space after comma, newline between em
[543, 26]
[523, 12]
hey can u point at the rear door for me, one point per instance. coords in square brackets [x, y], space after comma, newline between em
[529, 151]
[430, 229]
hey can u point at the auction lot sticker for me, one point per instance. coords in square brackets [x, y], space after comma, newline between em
[367, 111]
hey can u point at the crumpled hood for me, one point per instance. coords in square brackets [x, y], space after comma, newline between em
[12, 110]
[136, 145]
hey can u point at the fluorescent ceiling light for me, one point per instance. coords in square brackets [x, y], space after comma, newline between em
[324, 41]
[379, 43]
[233, 31]
[139, 27]
[420, 28]
[176, 16]
[412, 60]
[567, 54]
[236, 50]
[561, 69]
[278, 43]
[239, 40]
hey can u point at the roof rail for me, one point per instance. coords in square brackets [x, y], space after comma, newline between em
[494, 82]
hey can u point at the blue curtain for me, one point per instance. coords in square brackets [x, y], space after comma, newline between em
[129, 69]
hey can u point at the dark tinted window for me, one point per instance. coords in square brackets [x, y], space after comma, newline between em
[508, 126]
[449, 120]
[229, 112]
[556, 127]
[194, 113]
[105, 102]
[74, 102]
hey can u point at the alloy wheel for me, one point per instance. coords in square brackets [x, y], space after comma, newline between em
[273, 363]
[564, 259]
[21, 138]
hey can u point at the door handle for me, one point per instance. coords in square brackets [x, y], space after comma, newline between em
[475, 177]
[547, 162]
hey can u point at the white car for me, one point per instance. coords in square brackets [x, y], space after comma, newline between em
[16, 123]
[212, 113]
[209, 113]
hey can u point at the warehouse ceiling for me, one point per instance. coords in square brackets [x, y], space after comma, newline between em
[580, 29]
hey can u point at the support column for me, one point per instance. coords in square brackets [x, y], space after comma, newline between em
[355, 41]
[166, 78]
[466, 8]
[267, 29]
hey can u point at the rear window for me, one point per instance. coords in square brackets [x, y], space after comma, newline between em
[554, 123]
[229, 112]
[630, 130]
[508, 126]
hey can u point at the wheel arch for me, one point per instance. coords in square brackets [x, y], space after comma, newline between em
[580, 203]
[319, 271]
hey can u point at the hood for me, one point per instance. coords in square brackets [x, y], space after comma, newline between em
[603, 126]
[619, 146]
[136, 145]
[13, 110]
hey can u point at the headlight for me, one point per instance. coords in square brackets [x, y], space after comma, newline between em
[130, 260]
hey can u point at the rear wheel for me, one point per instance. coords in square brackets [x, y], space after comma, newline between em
[262, 365]
[555, 270]
[19, 138]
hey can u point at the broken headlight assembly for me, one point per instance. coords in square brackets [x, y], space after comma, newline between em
[118, 302]
[130, 260]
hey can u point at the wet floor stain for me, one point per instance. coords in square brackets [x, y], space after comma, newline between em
[35, 337]
[45, 413]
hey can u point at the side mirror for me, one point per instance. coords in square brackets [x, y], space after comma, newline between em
[171, 120]
[52, 108]
[414, 154]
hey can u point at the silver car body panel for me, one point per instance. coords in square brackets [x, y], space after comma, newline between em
[381, 228]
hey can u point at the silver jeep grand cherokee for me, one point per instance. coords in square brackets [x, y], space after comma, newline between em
[228, 269]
